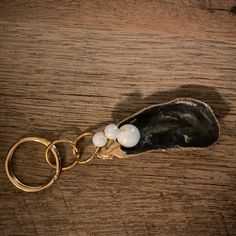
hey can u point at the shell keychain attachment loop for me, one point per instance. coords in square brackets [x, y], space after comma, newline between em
[181, 123]
[81, 136]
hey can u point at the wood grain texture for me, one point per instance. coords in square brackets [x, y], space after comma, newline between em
[66, 66]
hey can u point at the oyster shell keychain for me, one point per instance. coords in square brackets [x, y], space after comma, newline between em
[181, 123]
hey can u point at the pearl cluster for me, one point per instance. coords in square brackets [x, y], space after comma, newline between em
[127, 135]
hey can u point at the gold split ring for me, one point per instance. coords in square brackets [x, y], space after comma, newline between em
[15, 181]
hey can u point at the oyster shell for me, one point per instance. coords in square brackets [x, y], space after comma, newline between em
[183, 122]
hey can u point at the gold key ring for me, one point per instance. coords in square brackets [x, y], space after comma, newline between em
[76, 153]
[15, 181]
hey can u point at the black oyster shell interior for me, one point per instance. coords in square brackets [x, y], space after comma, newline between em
[180, 123]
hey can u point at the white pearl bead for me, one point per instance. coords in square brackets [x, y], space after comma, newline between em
[99, 139]
[128, 135]
[111, 131]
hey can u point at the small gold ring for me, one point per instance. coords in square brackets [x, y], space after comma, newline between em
[76, 154]
[15, 181]
[83, 135]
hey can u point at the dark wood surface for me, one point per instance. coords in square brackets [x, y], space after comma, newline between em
[66, 66]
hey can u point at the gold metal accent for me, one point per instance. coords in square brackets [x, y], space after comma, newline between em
[76, 153]
[15, 181]
[110, 150]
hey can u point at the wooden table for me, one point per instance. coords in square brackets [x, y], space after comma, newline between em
[66, 66]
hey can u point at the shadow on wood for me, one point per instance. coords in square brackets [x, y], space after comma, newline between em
[209, 95]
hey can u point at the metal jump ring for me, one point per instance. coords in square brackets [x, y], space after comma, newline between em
[81, 136]
[15, 181]
[76, 154]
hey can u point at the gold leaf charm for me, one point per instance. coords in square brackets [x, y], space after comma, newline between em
[110, 150]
